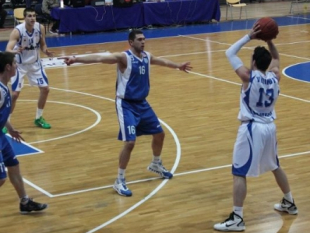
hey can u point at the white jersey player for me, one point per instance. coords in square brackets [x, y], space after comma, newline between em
[255, 150]
[26, 41]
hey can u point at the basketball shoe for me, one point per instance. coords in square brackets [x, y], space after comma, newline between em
[286, 206]
[31, 206]
[158, 168]
[42, 123]
[233, 223]
[4, 130]
[121, 187]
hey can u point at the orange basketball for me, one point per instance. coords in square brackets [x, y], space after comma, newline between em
[269, 29]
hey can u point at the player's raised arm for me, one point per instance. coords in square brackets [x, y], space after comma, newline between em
[275, 62]
[236, 63]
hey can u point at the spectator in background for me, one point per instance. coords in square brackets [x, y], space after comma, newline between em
[28, 3]
[3, 14]
[47, 5]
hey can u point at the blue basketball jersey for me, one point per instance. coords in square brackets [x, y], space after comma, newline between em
[258, 101]
[134, 83]
[5, 105]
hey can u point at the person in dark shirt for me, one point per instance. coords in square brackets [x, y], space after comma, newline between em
[3, 14]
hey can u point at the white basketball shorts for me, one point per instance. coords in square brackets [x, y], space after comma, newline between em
[255, 150]
[35, 73]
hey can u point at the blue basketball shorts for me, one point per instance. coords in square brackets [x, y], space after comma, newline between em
[7, 156]
[136, 118]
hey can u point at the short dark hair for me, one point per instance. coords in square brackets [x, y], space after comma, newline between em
[133, 33]
[6, 58]
[28, 10]
[262, 58]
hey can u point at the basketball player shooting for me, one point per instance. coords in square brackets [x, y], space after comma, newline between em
[255, 150]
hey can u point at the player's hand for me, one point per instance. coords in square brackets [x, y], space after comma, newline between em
[68, 60]
[185, 67]
[19, 50]
[16, 135]
[254, 31]
[49, 53]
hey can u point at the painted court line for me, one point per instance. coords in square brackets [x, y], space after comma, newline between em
[176, 174]
[72, 134]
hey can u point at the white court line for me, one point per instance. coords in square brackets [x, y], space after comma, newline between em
[285, 74]
[239, 84]
[35, 186]
[244, 47]
[298, 18]
[176, 174]
[72, 134]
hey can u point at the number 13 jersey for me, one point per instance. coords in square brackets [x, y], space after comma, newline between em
[258, 100]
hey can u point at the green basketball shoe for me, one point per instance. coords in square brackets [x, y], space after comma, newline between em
[42, 123]
[4, 130]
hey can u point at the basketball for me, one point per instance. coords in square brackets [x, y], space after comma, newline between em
[269, 29]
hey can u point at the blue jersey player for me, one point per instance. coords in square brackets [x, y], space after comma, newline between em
[135, 115]
[7, 156]
[255, 150]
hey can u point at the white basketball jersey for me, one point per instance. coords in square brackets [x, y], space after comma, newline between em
[258, 100]
[30, 42]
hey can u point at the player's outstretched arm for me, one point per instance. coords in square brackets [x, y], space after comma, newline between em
[185, 66]
[107, 59]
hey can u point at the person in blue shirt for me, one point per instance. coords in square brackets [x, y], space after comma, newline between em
[135, 115]
[7, 156]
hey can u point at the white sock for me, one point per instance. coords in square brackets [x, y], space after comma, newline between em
[24, 200]
[156, 159]
[9, 119]
[288, 196]
[121, 173]
[39, 113]
[238, 210]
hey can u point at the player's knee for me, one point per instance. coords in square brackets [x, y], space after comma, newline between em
[130, 145]
[15, 95]
[160, 136]
[45, 90]
[2, 181]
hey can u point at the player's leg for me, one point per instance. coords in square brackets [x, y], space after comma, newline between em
[242, 161]
[150, 125]
[27, 205]
[38, 77]
[127, 133]
[2, 171]
[287, 203]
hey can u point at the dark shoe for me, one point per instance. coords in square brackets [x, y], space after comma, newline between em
[286, 206]
[31, 206]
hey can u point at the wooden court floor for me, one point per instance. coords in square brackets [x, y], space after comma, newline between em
[199, 114]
